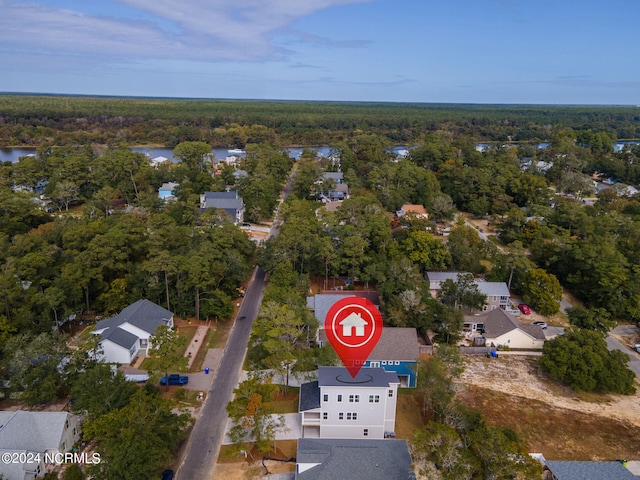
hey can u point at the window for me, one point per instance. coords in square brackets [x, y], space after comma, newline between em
[339, 397]
[325, 415]
[144, 342]
[495, 298]
[365, 432]
[64, 446]
[341, 416]
[325, 397]
[374, 398]
[66, 424]
[352, 415]
[484, 308]
[374, 364]
[390, 393]
[354, 398]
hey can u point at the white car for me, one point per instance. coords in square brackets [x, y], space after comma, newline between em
[542, 325]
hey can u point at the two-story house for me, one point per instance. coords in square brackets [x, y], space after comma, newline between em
[126, 335]
[339, 406]
[230, 202]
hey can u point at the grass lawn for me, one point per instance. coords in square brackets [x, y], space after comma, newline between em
[288, 404]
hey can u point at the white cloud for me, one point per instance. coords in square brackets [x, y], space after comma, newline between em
[203, 30]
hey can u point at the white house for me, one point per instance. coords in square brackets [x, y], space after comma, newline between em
[127, 334]
[500, 328]
[31, 433]
[339, 406]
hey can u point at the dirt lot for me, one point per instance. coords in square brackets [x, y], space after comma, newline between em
[550, 418]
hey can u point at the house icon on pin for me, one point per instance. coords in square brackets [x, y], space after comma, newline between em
[353, 321]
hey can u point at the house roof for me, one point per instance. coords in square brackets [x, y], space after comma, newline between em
[592, 470]
[356, 459]
[437, 278]
[33, 431]
[321, 303]
[143, 314]
[309, 396]
[498, 322]
[120, 336]
[493, 289]
[168, 186]
[367, 377]
[229, 201]
[397, 344]
[337, 176]
[417, 209]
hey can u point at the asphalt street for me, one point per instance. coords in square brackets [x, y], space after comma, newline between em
[207, 435]
[613, 344]
[208, 432]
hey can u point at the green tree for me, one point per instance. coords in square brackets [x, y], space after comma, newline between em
[32, 366]
[166, 351]
[597, 319]
[542, 290]
[581, 359]
[462, 292]
[193, 154]
[251, 414]
[98, 390]
[426, 251]
[136, 440]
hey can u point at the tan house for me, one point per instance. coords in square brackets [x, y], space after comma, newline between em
[501, 329]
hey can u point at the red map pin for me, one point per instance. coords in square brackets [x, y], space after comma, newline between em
[353, 326]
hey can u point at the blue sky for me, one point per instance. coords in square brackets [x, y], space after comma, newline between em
[462, 51]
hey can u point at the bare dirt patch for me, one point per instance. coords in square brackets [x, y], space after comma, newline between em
[232, 466]
[551, 418]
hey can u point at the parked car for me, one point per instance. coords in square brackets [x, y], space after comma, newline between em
[542, 325]
[636, 347]
[175, 379]
[524, 308]
[168, 475]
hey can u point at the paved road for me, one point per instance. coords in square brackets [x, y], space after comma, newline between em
[613, 344]
[205, 440]
[208, 433]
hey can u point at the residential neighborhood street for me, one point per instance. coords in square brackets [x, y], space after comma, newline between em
[613, 344]
[207, 435]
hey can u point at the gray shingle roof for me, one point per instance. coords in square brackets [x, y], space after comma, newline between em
[589, 471]
[321, 303]
[120, 337]
[498, 322]
[354, 459]
[224, 200]
[309, 396]
[367, 377]
[34, 431]
[143, 314]
[395, 344]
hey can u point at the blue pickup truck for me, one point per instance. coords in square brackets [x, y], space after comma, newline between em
[175, 379]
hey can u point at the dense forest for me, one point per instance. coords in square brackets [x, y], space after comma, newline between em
[57, 120]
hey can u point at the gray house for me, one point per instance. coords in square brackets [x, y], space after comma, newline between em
[324, 459]
[230, 202]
